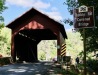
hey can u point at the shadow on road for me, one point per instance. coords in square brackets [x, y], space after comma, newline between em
[39, 68]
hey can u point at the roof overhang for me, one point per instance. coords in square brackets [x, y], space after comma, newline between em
[31, 13]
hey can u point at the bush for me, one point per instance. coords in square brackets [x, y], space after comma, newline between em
[4, 61]
[92, 63]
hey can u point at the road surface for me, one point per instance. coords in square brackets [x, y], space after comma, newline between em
[40, 68]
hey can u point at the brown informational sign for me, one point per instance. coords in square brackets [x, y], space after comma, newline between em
[84, 17]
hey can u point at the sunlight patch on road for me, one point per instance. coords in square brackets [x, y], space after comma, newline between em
[31, 69]
[17, 70]
[23, 67]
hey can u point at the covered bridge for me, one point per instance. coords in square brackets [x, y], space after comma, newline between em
[29, 29]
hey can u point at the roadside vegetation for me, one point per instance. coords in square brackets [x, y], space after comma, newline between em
[91, 33]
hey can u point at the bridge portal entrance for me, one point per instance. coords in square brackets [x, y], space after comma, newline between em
[29, 29]
[26, 41]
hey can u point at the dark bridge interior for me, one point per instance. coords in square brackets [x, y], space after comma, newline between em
[25, 43]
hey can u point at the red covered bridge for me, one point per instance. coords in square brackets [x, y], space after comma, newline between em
[29, 29]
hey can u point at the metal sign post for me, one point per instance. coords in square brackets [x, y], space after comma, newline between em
[84, 18]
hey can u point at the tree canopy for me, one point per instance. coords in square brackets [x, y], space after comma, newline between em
[4, 32]
[2, 8]
[74, 44]
[91, 33]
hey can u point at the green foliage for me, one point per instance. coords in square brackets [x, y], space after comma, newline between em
[74, 44]
[71, 5]
[4, 61]
[91, 33]
[41, 55]
[5, 41]
[63, 71]
[4, 44]
[47, 49]
[2, 8]
[92, 63]
[1, 26]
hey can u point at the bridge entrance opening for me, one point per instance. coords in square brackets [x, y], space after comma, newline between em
[47, 50]
[26, 41]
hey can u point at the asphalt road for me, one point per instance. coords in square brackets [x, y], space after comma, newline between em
[40, 68]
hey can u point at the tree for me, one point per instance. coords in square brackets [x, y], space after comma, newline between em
[3, 40]
[74, 44]
[2, 8]
[91, 33]
[47, 49]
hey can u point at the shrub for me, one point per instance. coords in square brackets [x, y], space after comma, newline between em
[92, 63]
[4, 61]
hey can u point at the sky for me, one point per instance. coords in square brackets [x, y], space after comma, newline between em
[55, 9]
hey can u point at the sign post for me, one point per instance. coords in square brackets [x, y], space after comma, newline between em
[84, 18]
[84, 44]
